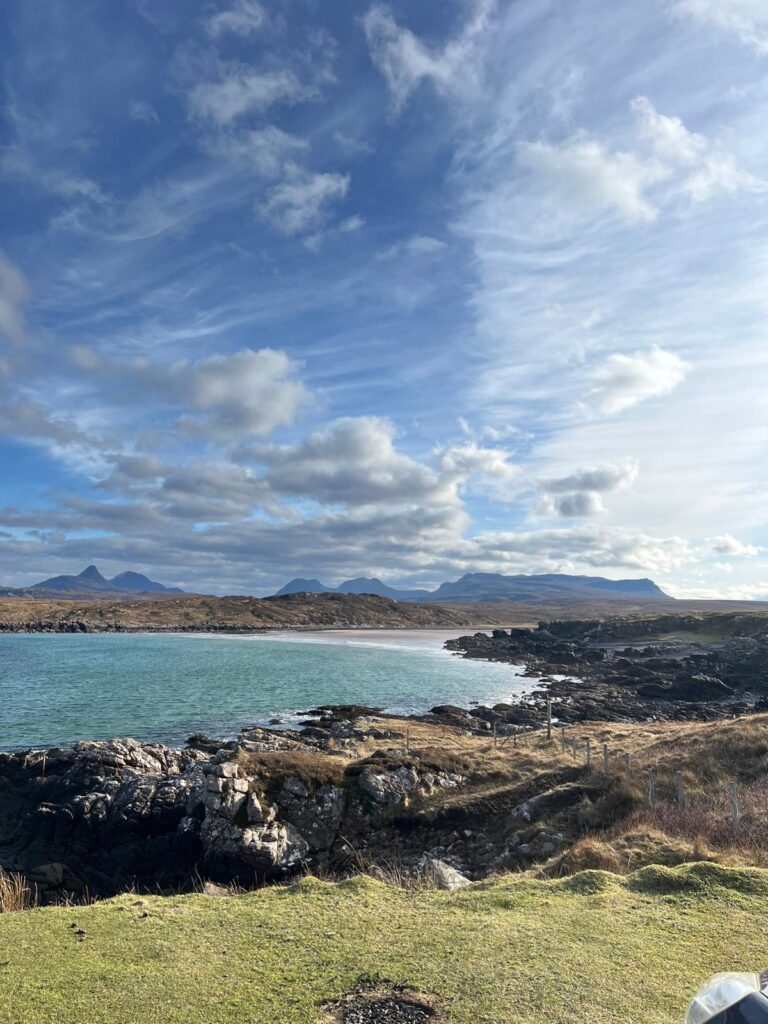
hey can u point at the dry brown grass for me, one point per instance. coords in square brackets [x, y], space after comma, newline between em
[311, 767]
[15, 893]
[628, 851]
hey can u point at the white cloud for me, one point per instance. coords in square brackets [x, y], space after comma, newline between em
[17, 162]
[250, 392]
[405, 61]
[296, 206]
[243, 19]
[416, 245]
[270, 151]
[625, 380]
[712, 170]
[580, 504]
[487, 470]
[580, 494]
[243, 91]
[746, 19]
[351, 224]
[667, 136]
[144, 113]
[725, 544]
[660, 161]
[604, 478]
[719, 172]
[353, 462]
[14, 294]
[586, 178]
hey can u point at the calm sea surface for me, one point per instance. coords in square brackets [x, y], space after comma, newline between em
[55, 689]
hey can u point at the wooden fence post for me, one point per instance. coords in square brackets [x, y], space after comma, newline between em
[574, 749]
[605, 758]
[626, 764]
[734, 806]
[680, 789]
[495, 735]
[549, 718]
[407, 741]
[589, 753]
[562, 737]
[651, 788]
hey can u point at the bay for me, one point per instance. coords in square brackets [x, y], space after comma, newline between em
[59, 688]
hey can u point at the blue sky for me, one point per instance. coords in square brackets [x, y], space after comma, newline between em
[403, 290]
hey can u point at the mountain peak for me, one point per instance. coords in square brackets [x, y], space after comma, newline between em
[91, 573]
[91, 581]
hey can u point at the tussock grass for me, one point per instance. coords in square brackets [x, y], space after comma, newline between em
[15, 892]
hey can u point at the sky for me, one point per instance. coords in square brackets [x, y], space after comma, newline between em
[402, 290]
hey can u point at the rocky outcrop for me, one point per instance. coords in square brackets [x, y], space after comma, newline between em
[100, 817]
[398, 785]
[592, 669]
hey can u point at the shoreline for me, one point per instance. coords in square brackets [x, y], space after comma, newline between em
[268, 684]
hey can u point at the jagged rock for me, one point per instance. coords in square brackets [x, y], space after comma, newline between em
[388, 787]
[100, 816]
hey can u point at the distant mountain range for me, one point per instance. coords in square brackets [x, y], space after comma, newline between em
[488, 586]
[90, 583]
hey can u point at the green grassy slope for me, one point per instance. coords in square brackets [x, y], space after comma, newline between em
[593, 948]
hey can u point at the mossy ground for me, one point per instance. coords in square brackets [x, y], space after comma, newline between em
[592, 948]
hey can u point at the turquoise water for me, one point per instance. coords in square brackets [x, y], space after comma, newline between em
[55, 689]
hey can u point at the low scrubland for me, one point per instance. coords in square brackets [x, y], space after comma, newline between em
[606, 817]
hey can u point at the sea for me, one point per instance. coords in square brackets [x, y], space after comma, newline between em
[56, 689]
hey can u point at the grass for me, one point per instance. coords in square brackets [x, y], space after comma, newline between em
[15, 893]
[592, 948]
[309, 766]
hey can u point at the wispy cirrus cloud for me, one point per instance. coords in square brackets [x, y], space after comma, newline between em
[747, 20]
[243, 18]
[14, 295]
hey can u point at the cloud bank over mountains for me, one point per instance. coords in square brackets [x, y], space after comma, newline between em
[409, 294]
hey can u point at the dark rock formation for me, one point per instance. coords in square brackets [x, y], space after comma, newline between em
[97, 818]
[717, 671]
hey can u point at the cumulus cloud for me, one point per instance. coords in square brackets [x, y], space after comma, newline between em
[405, 61]
[244, 91]
[660, 161]
[579, 494]
[626, 380]
[353, 462]
[586, 177]
[580, 504]
[296, 206]
[598, 478]
[725, 544]
[711, 169]
[242, 19]
[29, 420]
[250, 392]
[481, 469]
[746, 19]
[14, 294]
